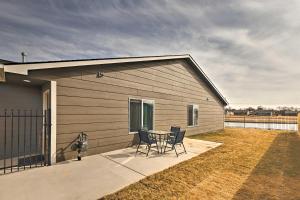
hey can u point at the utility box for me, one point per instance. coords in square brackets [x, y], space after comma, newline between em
[82, 144]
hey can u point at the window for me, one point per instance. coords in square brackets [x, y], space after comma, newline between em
[140, 114]
[193, 113]
[135, 114]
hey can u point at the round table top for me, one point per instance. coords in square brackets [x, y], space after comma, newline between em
[158, 132]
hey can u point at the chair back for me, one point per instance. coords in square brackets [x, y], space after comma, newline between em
[175, 128]
[144, 136]
[179, 136]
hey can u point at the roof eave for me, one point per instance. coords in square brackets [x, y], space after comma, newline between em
[26, 67]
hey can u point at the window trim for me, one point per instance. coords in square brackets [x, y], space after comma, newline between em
[195, 106]
[150, 101]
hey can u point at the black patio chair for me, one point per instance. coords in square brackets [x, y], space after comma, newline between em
[177, 140]
[174, 130]
[146, 138]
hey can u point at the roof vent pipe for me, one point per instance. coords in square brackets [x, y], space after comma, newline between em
[23, 56]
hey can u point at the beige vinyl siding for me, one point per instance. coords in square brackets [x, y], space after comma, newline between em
[99, 106]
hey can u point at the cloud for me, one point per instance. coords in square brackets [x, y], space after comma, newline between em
[250, 49]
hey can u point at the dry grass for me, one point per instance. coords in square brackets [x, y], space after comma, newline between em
[252, 164]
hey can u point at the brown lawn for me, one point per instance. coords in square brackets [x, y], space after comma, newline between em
[251, 164]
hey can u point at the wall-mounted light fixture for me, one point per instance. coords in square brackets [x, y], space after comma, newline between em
[27, 81]
[99, 75]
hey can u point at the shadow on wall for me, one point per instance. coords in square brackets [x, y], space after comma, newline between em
[277, 175]
[61, 152]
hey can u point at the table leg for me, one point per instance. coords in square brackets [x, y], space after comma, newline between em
[160, 141]
[161, 145]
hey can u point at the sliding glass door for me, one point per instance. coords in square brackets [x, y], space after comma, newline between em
[141, 114]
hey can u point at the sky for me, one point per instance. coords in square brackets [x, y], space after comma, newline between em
[249, 49]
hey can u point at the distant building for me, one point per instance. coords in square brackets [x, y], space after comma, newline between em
[264, 112]
[240, 112]
[290, 113]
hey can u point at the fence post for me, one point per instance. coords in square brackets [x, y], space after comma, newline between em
[298, 122]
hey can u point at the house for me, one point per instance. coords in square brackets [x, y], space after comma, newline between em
[240, 112]
[264, 112]
[290, 113]
[109, 99]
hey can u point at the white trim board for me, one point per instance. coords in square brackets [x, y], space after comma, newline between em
[53, 121]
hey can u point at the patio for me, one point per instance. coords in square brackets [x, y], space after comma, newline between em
[94, 176]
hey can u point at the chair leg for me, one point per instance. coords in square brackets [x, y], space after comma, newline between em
[149, 147]
[138, 148]
[184, 147]
[165, 147]
[175, 150]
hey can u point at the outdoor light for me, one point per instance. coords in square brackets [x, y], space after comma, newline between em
[99, 75]
[27, 81]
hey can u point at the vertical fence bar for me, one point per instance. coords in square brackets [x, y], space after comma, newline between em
[30, 137]
[4, 141]
[24, 156]
[298, 122]
[12, 140]
[18, 139]
[36, 137]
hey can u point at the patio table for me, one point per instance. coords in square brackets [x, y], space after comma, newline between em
[161, 137]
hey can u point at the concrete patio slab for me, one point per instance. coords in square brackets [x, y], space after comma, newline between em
[94, 176]
[157, 162]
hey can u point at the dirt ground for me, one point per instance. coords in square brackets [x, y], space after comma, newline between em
[251, 164]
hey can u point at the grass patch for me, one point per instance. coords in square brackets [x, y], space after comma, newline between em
[251, 164]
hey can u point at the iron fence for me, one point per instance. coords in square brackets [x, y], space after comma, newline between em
[263, 122]
[25, 139]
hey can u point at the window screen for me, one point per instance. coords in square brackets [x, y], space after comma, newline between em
[190, 115]
[193, 113]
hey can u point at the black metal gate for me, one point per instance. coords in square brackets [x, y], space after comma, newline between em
[24, 139]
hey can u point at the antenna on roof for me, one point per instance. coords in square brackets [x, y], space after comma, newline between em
[23, 56]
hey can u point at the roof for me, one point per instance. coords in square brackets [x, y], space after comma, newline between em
[24, 68]
[6, 61]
